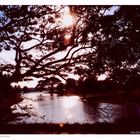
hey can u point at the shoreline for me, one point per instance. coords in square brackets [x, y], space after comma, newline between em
[97, 128]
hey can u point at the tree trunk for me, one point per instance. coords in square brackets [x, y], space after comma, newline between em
[8, 97]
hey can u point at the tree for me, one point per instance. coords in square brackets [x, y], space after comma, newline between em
[60, 88]
[116, 45]
[95, 43]
[121, 46]
[36, 35]
[51, 83]
[70, 84]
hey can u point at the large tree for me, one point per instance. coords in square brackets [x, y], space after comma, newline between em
[95, 43]
[37, 36]
[116, 39]
[120, 50]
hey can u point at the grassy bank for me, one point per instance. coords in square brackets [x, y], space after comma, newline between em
[98, 128]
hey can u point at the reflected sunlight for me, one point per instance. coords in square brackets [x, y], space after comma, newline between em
[70, 102]
[67, 36]
[61, 124]
[67, 39]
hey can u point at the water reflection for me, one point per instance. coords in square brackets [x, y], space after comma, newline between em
[45, 108]
[130, 114]
[103, 112]
[108, 112]
[70, 102]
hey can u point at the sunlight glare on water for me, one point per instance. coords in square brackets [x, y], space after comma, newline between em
[70, 102]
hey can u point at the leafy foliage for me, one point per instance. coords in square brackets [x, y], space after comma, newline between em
[98, 43]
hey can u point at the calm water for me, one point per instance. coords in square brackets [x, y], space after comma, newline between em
[40, 107]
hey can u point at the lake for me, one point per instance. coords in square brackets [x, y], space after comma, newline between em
[41, 107]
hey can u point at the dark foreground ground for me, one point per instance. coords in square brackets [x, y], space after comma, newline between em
[124, 127]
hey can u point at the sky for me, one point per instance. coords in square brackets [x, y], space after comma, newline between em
[9, 56]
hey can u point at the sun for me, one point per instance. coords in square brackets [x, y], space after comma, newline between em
[67, 18]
